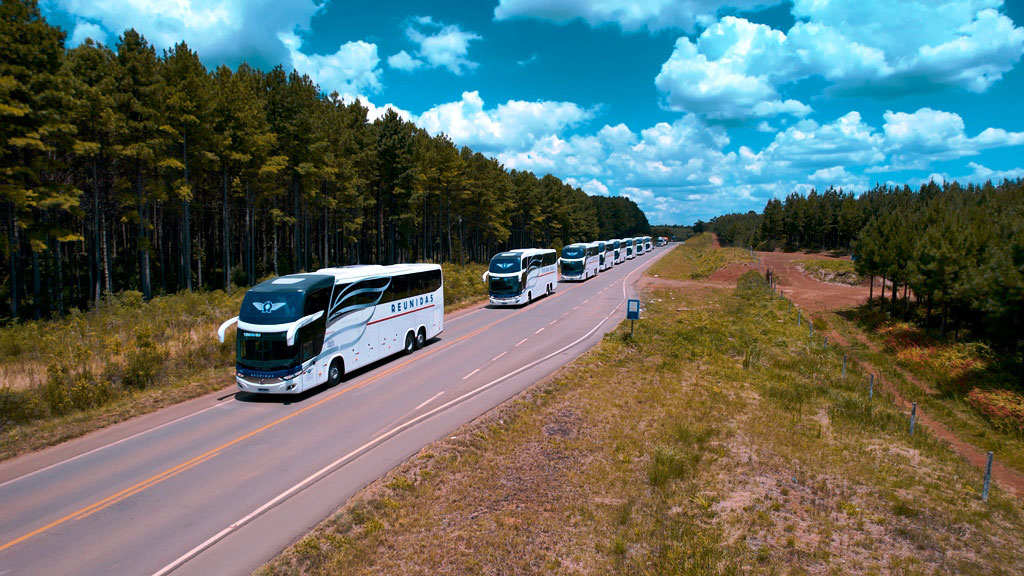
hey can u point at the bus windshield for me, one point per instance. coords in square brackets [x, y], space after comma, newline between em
[265, 351]
[259, 307]
[572, 252]
[503, 285]
[504, 264]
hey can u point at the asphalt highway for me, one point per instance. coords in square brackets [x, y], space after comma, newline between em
[221, 484]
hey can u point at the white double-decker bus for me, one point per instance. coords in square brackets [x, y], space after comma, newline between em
[580, 261]
[609, 254]
[628, 244]
[620, 250]
[302, 330]
[518, 276]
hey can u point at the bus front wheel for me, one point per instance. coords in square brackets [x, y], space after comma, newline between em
[410, 343]
[335, 372]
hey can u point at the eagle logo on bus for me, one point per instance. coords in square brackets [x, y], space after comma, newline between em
[504, 265]
[267, 307]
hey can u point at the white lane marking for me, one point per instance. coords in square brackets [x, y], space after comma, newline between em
[467, 376]
[431, 399]
[552, 322]
[351, 455]
[499, 356]
[564, 315]
[520, 342]
[585, 301]
[111, 445]
[539, 331]
[576, 308]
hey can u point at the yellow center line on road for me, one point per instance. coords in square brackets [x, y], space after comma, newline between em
[171, 472]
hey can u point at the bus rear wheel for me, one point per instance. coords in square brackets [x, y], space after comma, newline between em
[410, 343]
[335, 372]
[421, 338]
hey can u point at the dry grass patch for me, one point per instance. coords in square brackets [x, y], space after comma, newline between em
[837, 271]
[697, 259]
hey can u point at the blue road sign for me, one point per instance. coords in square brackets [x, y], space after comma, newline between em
[632, 309]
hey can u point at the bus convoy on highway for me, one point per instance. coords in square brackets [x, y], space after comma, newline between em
[299, 331]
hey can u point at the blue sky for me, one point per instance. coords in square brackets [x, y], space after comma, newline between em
[692, 108]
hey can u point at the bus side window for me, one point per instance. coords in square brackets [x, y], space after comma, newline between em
[317, 301]
[398, 290]
[312, 335]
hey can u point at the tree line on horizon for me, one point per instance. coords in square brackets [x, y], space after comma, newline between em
[125, 169]
[950, 255]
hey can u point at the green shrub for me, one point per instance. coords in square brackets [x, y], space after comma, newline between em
[57, 389]
[20, 406]
[144, 363]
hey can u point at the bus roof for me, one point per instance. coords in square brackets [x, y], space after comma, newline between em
[525, 252]
[359, 272]
[294, 283]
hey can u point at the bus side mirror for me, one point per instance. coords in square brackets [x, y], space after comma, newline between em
[484, 276]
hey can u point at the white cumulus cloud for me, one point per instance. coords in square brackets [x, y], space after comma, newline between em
[352, 69]
[630, 15]
[447, 47]
[221, 31]
[738, 69]
[513, 125]
[914, 140]
[84, 30]
[403, 61]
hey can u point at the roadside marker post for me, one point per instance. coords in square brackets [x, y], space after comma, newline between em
[844, 366]
[871, 387]
[632, 313]
[988, 478]
[913, 416]
[797, 316]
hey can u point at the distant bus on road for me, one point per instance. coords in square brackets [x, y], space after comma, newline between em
[628, 244]
[647, 244]
[609, 254]
[580, 261]
[302, 330]
[620, 250]
[519, 276]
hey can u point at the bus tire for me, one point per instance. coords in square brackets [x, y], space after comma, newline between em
[410, 343]
[529, 297]
[421, 338]
[335, 372]
[551, 289]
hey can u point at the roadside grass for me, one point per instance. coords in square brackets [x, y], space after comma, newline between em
[463, 285]
[838, 271]
[975, 394]
[699, 260]
[60, 379]
[721, 439]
